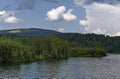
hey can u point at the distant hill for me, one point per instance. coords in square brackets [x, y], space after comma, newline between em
[29, 32]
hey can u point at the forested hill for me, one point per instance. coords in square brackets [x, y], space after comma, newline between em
[20, 49]
[29, 32]
[111, 44]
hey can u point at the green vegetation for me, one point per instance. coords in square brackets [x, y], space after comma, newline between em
[110, 44]
[26, 49]
[12, 51]
[87, 52]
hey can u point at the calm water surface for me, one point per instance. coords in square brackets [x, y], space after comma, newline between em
[72, 68]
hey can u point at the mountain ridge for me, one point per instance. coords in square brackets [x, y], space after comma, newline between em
[29, 32]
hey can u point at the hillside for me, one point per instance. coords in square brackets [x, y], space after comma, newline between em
[111, 44]
[29, 32]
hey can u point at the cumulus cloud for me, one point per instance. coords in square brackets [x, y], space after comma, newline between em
[98, 31]
[12, 20]
[68, 16]
[8, 17]
[102, 16]
[8, 10]
[60, 13]
[55, 14]
[117, 34]
[84, 22]
[60, 29]
[2, 12]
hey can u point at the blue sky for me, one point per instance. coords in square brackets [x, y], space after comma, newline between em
[83, 16]
[36, 17]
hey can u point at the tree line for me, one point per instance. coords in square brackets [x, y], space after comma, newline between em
[110, 44]
[17, 49]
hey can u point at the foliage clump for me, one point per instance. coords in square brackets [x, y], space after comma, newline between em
[13, 51]
[27, 49]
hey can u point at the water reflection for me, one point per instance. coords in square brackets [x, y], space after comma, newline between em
[73, 68]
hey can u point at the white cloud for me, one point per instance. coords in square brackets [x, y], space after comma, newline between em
[60, 13]
[68, 16]
[84, 22]
[8, 17]
[55, 14]
[60, 29]
[98, 31]
[117, 34]
[102, 18]
[2, 12]
[12, 19]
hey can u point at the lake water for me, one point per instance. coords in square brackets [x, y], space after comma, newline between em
[72, 68]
